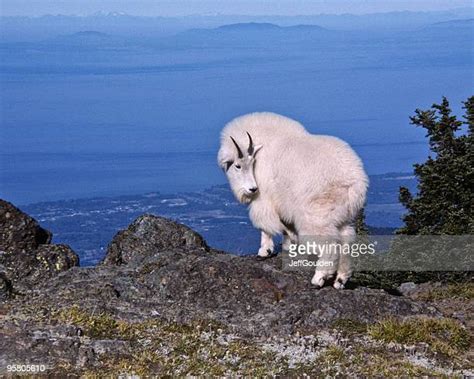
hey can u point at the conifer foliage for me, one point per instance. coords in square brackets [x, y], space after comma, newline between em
[443, 204]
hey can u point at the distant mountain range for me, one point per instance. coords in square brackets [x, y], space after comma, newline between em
[466, 23]
[246, 30]
[86, 35]
[90, 34]
[266, 26]
[38, 28]
[448, 30]
[85, 38]
[255, 32]
[262, 32]
[261, 28]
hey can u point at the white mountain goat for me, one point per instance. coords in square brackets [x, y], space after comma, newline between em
[296, 184]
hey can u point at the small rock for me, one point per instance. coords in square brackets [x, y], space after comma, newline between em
[5, 287]
[86, 356]
[407, 288]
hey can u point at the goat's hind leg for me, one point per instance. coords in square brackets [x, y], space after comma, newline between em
[289, 238]
[347, 235]
[328, 261]
[320, 240]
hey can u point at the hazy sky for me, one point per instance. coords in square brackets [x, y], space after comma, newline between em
[248, 7]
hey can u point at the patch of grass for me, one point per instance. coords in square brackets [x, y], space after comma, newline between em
[100, 325]
[377, 361]
[349, 327]
[390, 280]
[330, 363]
[361, 361]
[385, 367]
[445, 336]
[168, 348]
[460, 291]
[333, 354]
[104, 325]
[192, 355]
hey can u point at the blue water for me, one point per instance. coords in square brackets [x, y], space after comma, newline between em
[110, 118]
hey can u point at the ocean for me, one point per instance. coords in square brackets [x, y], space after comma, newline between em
[91, 114]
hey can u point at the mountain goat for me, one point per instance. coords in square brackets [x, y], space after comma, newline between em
[296, 184]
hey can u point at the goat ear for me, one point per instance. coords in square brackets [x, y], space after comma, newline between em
[256, 148]
[225, 158]
[225, 164]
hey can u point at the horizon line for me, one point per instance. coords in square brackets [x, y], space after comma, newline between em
[219, 14]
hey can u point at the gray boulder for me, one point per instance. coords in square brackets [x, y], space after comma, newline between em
[18, 231]
[147, 235]
[27, 257]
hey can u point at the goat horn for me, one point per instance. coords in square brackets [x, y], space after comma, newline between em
[238, 148]
[250, 149]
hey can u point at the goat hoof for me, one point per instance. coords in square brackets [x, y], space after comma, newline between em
[317, 281]
[271, 254]
[340, 281]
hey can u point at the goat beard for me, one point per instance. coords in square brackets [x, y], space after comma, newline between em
[244, 198]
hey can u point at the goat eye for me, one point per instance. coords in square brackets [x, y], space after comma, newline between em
[238, 167]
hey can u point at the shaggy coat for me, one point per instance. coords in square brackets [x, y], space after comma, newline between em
[297, 184]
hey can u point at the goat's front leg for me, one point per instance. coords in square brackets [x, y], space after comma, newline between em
[266, 245]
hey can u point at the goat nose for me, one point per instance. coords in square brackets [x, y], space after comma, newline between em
[253, 189]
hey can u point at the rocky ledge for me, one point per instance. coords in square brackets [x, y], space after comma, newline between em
[27, 256]
[162, 302]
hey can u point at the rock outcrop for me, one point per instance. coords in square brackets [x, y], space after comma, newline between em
[163, 302]
[18, 231]
[27, 256]
[147, 235]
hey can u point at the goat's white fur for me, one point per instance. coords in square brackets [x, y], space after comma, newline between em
[314, 183]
